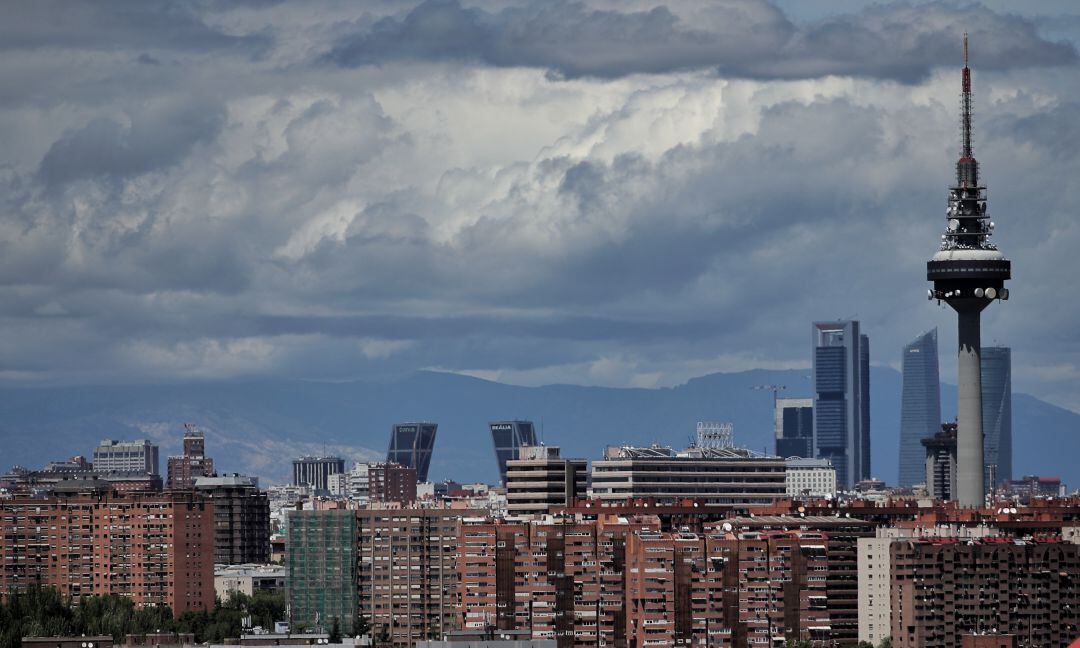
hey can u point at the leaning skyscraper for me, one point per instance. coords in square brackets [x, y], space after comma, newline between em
[411, 445]
[920, 406]
[509, 437]
[997, 414]
[841, 383]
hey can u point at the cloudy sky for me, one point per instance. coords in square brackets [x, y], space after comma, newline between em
[610, 192]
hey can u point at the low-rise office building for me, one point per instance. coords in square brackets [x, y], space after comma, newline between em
[715, 476]
[248, 579]
[810, 478]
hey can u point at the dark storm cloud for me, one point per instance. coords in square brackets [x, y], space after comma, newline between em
[741, 38]
[566, 37]
[1056, 131]
[115, 25]
[154, 139]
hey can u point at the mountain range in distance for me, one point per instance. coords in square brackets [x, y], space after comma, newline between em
[258, 427]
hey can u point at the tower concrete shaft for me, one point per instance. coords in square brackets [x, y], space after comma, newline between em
[969, 428]
[968, 274]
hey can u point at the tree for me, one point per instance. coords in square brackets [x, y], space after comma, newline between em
[42, 611]
[361, 627]
[335, 631]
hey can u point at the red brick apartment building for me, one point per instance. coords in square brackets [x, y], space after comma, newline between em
[943, 589]
[562, 580]
[719, 589]
[621, 582]
[156, 548]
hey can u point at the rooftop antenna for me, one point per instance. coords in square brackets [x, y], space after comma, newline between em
[966, 104]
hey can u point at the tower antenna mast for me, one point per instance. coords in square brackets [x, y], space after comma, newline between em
[969, 273]
[966, 105]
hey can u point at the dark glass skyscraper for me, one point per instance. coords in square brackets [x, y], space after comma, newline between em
[795, 427]
[920, 406]
[841, 380]
[411, 445]
[508, 437]
[997, 414]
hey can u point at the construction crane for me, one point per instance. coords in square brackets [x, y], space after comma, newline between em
[775, 389]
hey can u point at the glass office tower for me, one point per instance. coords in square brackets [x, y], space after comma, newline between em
[411, 445]
[997, 414]
[920, 406]
[509, 437]
[795, 427]
[841, 382]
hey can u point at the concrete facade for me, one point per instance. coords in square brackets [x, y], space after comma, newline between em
[540, 478]
[810, 478]
[729, 476]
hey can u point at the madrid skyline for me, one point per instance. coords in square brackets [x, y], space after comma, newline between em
[628, 194]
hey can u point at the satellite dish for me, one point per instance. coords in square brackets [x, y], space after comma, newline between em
[953, 224]
[991, 293]
[727, 527]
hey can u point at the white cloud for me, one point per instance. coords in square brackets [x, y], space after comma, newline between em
[634, 230]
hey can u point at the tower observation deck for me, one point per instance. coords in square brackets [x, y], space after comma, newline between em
[968, 273]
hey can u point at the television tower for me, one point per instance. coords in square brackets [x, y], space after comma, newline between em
[968, 273]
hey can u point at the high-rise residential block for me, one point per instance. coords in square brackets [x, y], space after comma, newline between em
[841, 384]
[556, 579]
[396, 569]
[840, 537]
[920, 406]
[156, 549]
[939, 468]
[391, 482]
[192, 464]
[540, 478]
[241, 518]
[509, 437]
[944, 588]
[408, 571]
[322, 568]
[726, 588]
[875, 571]
[411, 444]
[794, 427]
[126, 456]
[315, 471]
[996, 367]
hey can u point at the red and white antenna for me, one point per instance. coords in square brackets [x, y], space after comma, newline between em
[967, 169]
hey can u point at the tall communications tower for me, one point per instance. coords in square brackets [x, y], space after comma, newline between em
[968, 273]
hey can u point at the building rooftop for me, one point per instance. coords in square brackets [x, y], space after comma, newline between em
[227, 480]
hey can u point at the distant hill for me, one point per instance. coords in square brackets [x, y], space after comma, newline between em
[258, 427]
